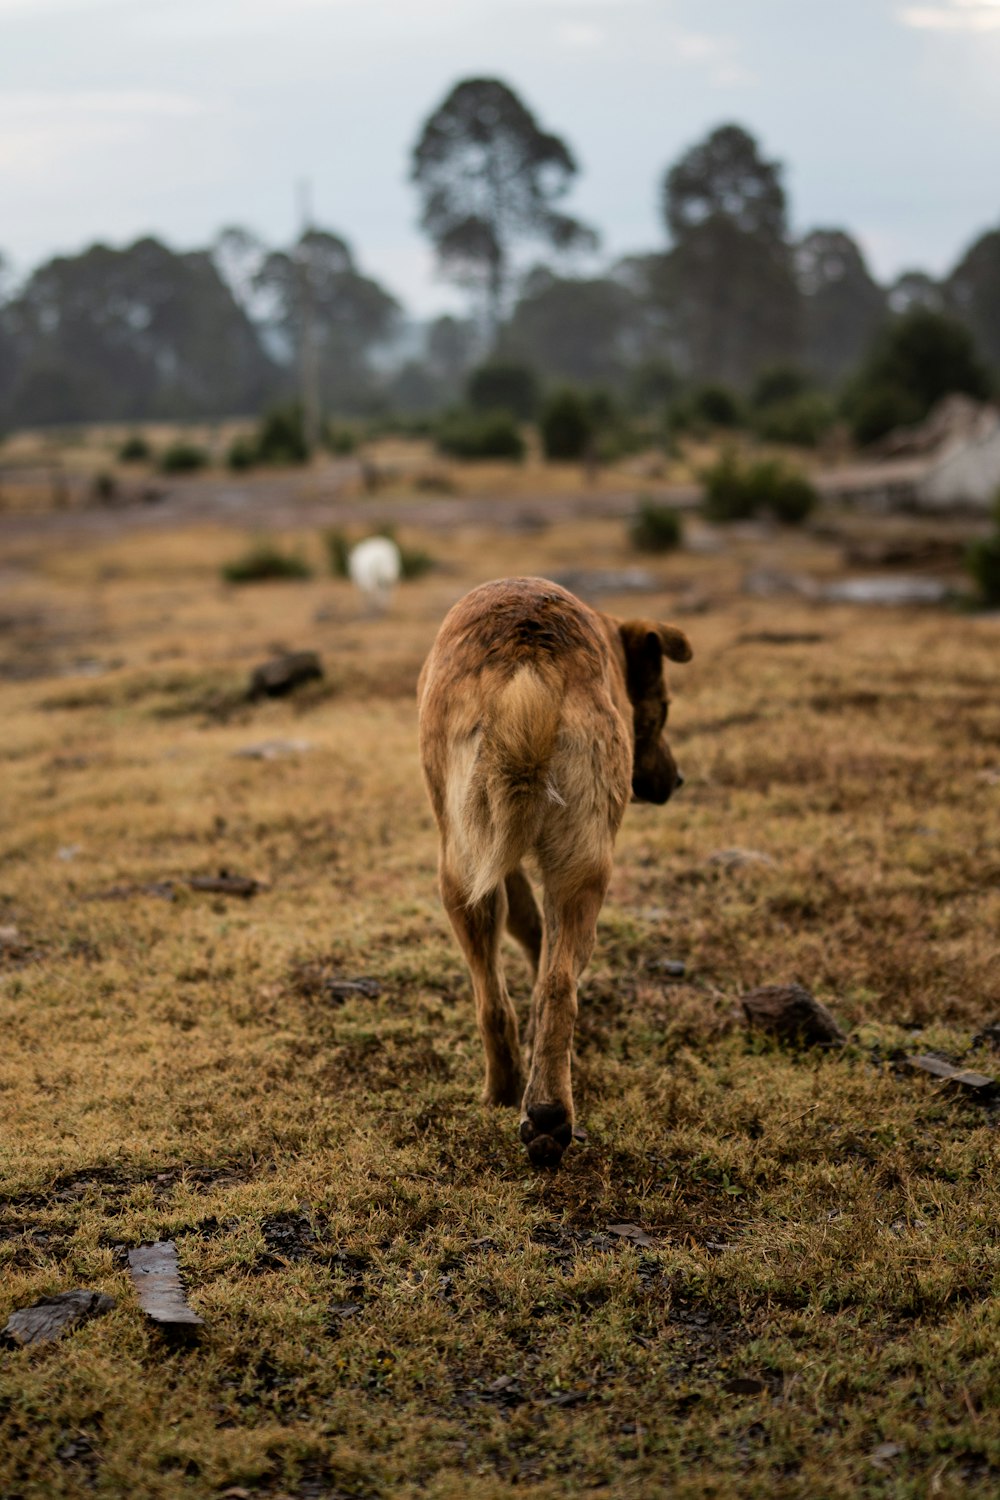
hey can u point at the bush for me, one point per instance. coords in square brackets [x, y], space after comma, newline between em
[983, 563]
[265, 561]
[182, 458]
[502, 386]
[104, 487]
[338, 550]
[656, 528]
[801, 420]
[413, 561]
[916, 360]
[281, 437]
[134, 450]
[879, 409]
[242, 454]
[340, 441]
[777, 385]
[568, 425]
[480, 435]
[735, 491]
[702, 409]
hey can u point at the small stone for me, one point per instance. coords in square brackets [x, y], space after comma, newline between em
[792, 1014]
[47, 1318]
[272, 749]
[283, 674]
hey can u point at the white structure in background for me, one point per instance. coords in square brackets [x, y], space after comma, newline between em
[948, 462]
[375, 567]
[965, 470]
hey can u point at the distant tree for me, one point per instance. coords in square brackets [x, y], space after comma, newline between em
[973, 293]
[842, 305]
[915, 289]
[574, 329]
[917, 359]
[351, 314]
[503, 385]
[729, 273]
[452, 346]
[489, 178]
[139, 332]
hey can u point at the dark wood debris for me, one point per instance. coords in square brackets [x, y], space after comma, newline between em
[155, 1272]
[789, 1012]
[47, 1318]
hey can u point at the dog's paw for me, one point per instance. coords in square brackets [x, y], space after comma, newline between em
[546, 1132]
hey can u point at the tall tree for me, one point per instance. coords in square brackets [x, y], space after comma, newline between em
[490, 177]
[842, 305]
[973, 293]
[350, 314]
[730, 267]
[575, 330]
[129, 333]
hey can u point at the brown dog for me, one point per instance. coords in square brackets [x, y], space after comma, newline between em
[538, 718]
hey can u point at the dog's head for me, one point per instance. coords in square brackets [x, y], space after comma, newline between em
[646, 645]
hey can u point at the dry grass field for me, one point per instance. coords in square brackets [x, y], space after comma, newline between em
[395, 1303]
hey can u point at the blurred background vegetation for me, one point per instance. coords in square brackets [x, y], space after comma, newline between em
[732, 322]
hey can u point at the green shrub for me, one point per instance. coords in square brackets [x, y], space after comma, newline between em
[281, 437]
[242, 454]
[474, 435]
[878, 409]
[568, 425]
[134, 450]
[182, 458]
[736, 491]
[656, 528]
[104, 487]
[800, 420]
[982, 561]
[341, 441]
[338, 550]
[503, 386]
[777, 385]
[917, 359]
[707, 407]
[265, 561]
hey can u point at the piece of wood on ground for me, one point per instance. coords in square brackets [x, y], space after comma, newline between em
[634, 1233]
[789, 1012]
[227, 884]
[283, 674]
[156, 1275]
[966, 1079]
[50, 1316]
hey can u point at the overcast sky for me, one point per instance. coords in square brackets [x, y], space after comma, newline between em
[175, 117]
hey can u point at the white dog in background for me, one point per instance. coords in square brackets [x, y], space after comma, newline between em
[375, 567]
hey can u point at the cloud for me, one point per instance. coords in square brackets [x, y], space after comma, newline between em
[582, 34]
[40, 131]
[35, 103]
[956, 15]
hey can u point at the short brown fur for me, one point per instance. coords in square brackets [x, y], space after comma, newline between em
[539, 717]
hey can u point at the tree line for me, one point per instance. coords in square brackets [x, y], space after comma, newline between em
[145, 331]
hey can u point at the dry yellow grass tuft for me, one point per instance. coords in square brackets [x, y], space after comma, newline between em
[395, 1304]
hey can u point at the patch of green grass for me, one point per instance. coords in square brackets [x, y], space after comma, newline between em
[265, 561]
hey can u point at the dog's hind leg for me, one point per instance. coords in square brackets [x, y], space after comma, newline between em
[524, 920]
[571, 911]
[478, 928]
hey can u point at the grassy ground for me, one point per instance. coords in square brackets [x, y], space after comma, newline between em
[395, 1304]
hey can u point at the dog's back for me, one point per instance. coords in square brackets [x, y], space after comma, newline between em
[525, 749]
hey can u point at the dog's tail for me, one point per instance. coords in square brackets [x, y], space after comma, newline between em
[501, 793]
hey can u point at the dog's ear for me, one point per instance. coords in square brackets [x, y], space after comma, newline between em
[676, 646]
